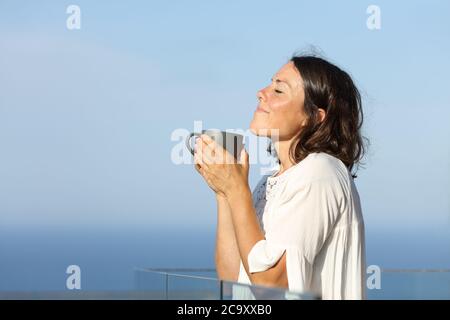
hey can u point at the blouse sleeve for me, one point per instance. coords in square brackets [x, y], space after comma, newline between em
[300, 225]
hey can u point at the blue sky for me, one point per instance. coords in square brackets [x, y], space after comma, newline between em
[86, 115]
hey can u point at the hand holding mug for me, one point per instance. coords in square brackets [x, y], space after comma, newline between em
[218, 166]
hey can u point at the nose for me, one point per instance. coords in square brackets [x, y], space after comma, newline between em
[260, 95]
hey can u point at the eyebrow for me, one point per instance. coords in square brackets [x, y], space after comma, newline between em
[279, 80]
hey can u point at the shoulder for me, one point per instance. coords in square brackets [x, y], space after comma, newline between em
[321, 173]
[320, 166]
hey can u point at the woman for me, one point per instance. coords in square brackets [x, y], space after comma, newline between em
[302, 228]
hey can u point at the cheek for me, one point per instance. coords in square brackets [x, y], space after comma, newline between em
[283, 106]
[286, 118]
[283, 112]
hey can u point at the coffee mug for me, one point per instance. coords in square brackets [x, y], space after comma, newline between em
[232, 142]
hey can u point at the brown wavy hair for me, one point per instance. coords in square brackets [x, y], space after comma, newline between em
[328, 87]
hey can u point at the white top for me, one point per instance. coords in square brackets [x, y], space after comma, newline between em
[312, 211]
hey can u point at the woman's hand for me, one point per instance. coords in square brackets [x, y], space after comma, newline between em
[219, 168]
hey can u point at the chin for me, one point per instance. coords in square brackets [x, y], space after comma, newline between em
[260, 126]
[259, 130]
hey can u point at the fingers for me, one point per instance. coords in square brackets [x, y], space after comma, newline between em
[244, 158]
[207, 150]
[202, 157]
[197, 156]
[215, 153]
[198, 160]
[206, 139]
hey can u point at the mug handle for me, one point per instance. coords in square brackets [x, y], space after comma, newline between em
[188, 141]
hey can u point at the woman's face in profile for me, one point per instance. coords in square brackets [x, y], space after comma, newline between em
[280, 105]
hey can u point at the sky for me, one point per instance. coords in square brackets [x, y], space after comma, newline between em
[87, 115]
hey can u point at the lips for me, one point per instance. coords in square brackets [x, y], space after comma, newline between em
[259, 109]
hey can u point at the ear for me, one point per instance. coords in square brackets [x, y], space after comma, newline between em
[321, 115]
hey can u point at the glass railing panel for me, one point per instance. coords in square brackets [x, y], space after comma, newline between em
[241, 291]
[197, 285]
[184, 287]
[152, 284]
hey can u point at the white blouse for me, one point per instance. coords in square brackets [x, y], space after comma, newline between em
[313, 213]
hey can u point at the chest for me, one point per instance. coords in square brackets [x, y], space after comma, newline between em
[264, 200]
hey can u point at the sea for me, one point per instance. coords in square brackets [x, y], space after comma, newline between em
[414, 265]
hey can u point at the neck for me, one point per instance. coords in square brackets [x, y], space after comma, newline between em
[282, 149]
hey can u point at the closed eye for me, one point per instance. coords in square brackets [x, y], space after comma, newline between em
[278, 91]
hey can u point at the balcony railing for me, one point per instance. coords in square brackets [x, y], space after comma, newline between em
[202, 284]
[405, 284]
